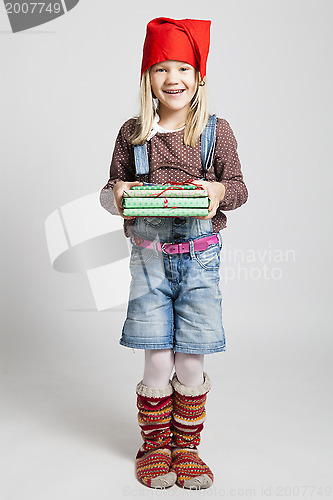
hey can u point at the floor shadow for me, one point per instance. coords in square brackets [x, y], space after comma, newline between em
[79, 408]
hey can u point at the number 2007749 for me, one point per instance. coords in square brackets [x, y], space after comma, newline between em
[33, 8]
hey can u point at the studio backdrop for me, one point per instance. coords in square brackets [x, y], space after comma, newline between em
[69, 80]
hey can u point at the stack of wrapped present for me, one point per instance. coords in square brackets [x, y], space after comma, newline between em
[166, 200]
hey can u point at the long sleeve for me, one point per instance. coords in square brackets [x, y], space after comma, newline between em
[228, 168]
[122, 167]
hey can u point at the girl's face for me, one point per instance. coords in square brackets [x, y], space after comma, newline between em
[174, 83]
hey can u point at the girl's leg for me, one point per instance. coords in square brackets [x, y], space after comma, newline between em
[158, 367]
[191, 386]
[189, 368]
[154, 402]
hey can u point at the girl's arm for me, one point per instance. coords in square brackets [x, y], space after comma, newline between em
[215, 192]
[118, 191]
[122, 169]
[228, 191]
[228, 168]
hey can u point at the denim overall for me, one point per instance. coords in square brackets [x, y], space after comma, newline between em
[175, 300]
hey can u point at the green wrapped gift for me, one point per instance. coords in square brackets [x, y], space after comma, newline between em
[166, 212]
[148, 191]
[161, 202]
[165, 200]
[164, 186]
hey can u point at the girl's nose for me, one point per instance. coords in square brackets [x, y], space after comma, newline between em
[172, 78]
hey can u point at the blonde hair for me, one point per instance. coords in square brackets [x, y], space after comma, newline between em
[196, 119]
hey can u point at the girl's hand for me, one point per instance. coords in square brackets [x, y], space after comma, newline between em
[216, 192]
[118, 191]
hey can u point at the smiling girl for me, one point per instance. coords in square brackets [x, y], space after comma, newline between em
[175, 306]
[174, 84]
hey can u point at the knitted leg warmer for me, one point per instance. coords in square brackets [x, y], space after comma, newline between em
[153, 459]
[188, 417]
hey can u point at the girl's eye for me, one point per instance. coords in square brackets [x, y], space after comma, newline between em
[184, 69]
[160, 70]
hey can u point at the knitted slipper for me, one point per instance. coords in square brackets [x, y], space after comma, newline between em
[153, 469]
[191, 470]
[188, 417]
[153, 459]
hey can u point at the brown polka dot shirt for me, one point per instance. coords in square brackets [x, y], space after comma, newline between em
[171, 160]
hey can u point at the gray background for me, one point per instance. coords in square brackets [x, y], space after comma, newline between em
[68, 405]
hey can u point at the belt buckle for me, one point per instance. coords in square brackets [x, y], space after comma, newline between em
[173, 245]
[163, 248]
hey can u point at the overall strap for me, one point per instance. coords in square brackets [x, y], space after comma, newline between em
[141, 159]
[208, 138]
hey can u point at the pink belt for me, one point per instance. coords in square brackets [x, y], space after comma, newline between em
[199, 244]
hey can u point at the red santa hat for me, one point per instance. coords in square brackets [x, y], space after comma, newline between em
[179, 40]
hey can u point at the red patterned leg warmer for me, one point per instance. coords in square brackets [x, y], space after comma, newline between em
[188, 417]
[153, 459]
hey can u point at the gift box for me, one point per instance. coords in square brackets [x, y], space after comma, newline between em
[162, 202]
[169, 185]
[166, 212]
[165, 192]
[167, 200]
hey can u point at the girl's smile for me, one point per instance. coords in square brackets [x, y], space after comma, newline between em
[174, 92]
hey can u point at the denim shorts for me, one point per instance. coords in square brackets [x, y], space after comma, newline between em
[175, 300]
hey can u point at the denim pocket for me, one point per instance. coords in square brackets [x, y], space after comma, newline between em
[209, 258]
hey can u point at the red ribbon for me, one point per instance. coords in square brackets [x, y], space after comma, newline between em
[176, 185]
[166, 200]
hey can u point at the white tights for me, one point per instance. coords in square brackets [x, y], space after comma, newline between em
[159, 364]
